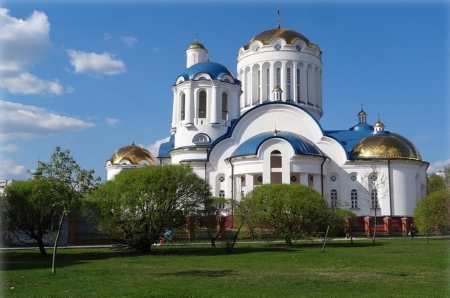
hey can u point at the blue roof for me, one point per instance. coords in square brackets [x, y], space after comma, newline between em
[215, 70]
[164, 148]
[301, 145]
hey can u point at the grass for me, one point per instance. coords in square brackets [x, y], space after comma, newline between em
[401, 267]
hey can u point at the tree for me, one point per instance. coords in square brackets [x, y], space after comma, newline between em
[337, 220]
[31, 206]
[291, 210]
[435, 183]
[135, 207]
[212, 218]
[374, 188]
[433, 212]
[63, 168]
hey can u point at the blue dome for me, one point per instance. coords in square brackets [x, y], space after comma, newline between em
[215, 70]
[300, 144]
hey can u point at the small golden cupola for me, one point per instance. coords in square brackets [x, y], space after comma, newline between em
[131, 155]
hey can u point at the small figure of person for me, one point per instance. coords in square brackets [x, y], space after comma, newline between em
[348, 233]
[168, 236]
[412, 230]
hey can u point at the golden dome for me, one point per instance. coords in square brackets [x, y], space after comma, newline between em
[196, 45]
[134, 154]
[277, 89]
[288, 35]
[379, 124]
[362, 113]
[386, 145]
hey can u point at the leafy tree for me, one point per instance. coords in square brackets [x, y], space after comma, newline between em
[135, 207]
[31, 206]
[433, 212]
[63, 168]
[291, 210]
[435, 183]
[213, 219]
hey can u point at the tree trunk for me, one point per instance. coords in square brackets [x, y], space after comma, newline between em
[55, 247]
[40, 244]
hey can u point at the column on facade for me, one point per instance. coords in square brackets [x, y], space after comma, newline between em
[175, 112]
[368, 225]
[189, 106]
[387, 225]
[317, 183]
[406, 222]
[248, 183]
[303, 83]
[214, 106]
[304, 179]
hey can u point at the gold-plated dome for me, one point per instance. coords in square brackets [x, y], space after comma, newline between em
[196, 45]
[362, 113]
[385, 146]
[410, 144]
[379, 124]
[134, 154]
[277, 89]
[288, 35]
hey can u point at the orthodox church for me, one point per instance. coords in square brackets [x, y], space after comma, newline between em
[263, 126]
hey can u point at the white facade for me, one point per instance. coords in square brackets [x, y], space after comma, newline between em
[263, 127]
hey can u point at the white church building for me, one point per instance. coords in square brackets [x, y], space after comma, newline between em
[263, 126]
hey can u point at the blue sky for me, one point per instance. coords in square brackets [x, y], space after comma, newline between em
[91, 76]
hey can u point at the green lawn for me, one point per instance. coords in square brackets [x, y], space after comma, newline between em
[401, 267]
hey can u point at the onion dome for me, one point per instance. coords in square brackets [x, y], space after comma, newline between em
[196, 45]
[385, 145]
[133, 154]
[215, 71]
[266, 37]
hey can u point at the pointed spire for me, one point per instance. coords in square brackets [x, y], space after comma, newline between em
[278, 24]
[275, 131]
[132, 142]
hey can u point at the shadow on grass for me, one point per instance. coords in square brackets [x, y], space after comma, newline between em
[31, 259]
[203, 273]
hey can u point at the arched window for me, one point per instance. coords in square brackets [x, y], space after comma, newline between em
[201, 138]
[268, 84]
[222, 194]
[298, 84]
[259, 84]
[288, 81]
[275, 167]
[224, 106]
[354, 198]
[278, 77]
[202, 104]
[374, 199]
[183, 106]
[334, 199]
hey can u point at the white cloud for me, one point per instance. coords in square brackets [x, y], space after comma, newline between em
[438, 166]
[112, 121]
[24, 43]
[22, 121]
[9, 170]
[103, 64]
[9, 148]
[154, 148]
[129, 40]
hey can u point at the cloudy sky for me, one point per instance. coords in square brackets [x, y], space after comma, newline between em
[91, 76]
